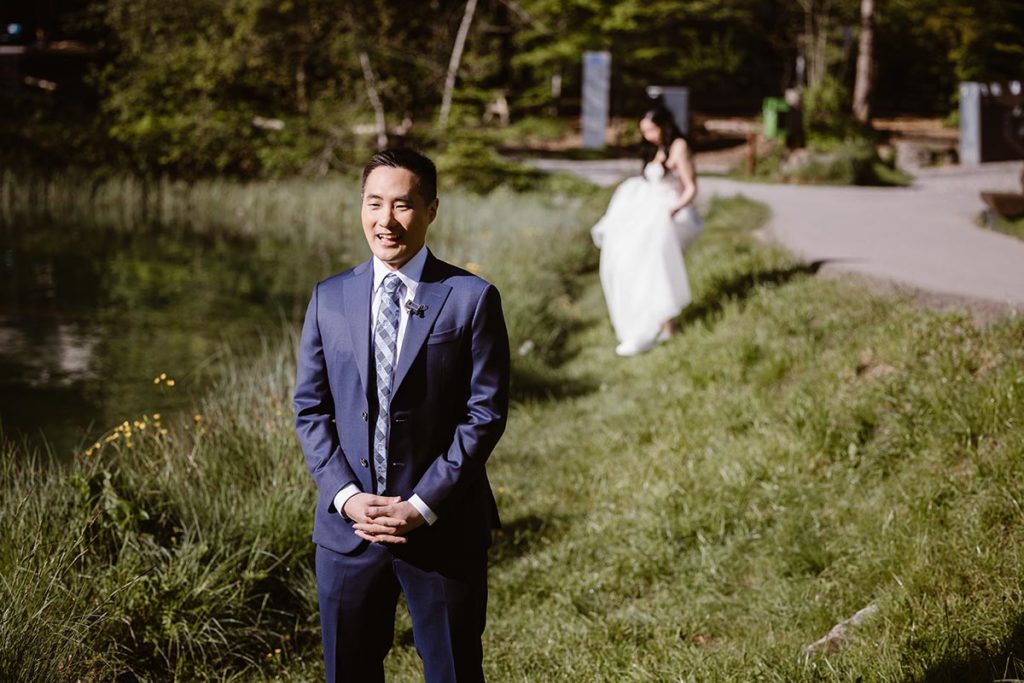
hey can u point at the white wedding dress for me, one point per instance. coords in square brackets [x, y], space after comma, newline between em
[642, 269]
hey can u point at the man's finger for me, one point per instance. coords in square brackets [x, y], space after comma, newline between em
[374, 528]
[383, 500]
[386, 521]
[381, 538]
[378, 511]
[386, 538]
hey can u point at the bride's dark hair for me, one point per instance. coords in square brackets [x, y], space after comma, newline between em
[662, 117]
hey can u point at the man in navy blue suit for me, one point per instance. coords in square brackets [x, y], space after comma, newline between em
[401, 395]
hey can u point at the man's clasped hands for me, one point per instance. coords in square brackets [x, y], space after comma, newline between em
[382, 519]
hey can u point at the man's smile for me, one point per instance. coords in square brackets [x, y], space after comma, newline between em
[390, 237]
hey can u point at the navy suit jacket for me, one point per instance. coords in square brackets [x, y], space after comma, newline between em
[449, 405]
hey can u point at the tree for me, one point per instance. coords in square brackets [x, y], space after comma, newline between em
[865, 63]
[453, 64]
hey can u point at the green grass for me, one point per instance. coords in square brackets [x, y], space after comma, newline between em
[1013, 228]
[801, 449]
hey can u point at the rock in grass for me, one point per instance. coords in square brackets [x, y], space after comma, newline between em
[836, 638]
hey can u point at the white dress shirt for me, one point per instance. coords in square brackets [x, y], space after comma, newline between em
[410, 274]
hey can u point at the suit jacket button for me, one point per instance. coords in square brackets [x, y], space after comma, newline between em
[362, 461]
[365, 416]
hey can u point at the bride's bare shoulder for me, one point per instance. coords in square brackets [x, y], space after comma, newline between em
[678, 147]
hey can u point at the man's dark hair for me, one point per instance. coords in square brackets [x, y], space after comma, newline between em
[412, 161]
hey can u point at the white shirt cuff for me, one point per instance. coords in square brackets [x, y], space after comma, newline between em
[423, 509]
[342, 496]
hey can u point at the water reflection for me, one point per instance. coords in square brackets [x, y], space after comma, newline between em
[89, 317]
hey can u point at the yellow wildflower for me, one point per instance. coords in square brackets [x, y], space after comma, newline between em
[170, 382]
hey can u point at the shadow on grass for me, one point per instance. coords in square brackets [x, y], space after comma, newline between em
[1007, 665]
[529, 383]
[740, 288]
[519, 536]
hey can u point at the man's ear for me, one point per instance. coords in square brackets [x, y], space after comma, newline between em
[432, 209]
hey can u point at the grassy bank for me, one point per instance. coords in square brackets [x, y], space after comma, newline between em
[802, 449]
[1013, 228]
[179, 547]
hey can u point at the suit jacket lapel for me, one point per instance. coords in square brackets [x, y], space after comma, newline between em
[430, 293]
[358, 295]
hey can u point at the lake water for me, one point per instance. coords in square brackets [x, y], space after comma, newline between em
[89, 318]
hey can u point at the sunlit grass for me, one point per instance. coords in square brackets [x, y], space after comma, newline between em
[801, 449]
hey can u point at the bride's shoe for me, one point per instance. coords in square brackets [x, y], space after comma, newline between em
[665, 334]
[627, 349]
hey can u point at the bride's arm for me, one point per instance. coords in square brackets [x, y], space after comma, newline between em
[679, 160]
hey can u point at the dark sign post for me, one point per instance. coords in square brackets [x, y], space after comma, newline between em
[676, 99]
[991, 122]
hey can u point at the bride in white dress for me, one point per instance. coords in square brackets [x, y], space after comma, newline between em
[649, 222]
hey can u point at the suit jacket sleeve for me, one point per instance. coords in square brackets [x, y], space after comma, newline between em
[486, 411]
[314, 410]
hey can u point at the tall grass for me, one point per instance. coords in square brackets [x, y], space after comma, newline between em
[530, 241]
[801, 449]
[179, 549]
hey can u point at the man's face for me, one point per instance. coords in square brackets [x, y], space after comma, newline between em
[395, 215]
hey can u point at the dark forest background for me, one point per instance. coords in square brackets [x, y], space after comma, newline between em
[265, 88]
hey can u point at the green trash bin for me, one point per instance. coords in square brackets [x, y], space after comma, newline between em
[770, 110]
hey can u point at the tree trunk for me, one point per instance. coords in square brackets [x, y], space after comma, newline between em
[815, 39]
[453, 64]
[865, 63]
[378, 107]
[301, 97]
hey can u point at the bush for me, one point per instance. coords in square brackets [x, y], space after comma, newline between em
[854, 161]
[851, 161]
[826, 108]
[473, 163]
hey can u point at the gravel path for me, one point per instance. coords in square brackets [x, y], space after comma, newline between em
[923, 236]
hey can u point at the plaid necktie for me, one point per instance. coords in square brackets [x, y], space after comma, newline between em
[385, 342]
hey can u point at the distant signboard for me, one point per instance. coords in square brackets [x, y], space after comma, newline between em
[597, 71]
[991, 122]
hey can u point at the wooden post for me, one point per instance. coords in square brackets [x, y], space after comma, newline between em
[751, 152]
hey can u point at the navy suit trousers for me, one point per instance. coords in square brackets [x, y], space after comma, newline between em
[358, 594]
